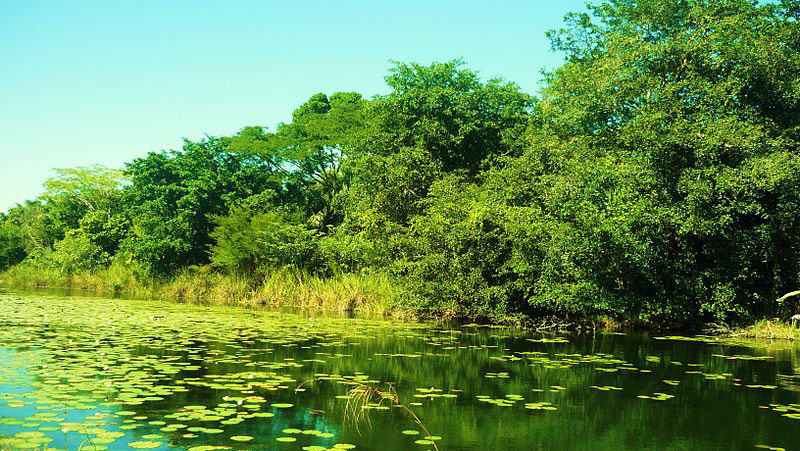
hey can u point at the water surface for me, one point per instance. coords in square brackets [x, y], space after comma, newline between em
[125, 374]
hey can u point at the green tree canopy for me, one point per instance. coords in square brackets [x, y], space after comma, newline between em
[172, 196]
[664, 157]
[437, 119]
[306, 154]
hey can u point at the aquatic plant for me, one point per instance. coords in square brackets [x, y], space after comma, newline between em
[364, 397]
[98, 372]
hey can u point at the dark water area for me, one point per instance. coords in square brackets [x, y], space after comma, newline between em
[104, 373]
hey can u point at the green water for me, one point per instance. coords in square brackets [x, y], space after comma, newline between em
[125, 374]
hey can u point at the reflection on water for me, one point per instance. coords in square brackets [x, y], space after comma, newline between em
[123, 374]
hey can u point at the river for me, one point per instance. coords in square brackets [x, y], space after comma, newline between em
[97, 373]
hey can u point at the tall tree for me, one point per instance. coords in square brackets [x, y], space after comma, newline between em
[437, 119]
[173, 196]
[665, 155]
[307, 153]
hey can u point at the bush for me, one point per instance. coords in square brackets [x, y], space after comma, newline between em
[457, 253]
[12, 247]
[247, 240]
[76, 252]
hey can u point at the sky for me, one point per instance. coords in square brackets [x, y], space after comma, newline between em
[103, 82]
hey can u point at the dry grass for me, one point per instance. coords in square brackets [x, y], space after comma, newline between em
[366, 294]
[363, 293]
[609, 324]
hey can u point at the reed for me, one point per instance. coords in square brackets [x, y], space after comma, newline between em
[368, 294]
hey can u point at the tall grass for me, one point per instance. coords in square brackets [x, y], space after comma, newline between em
[370, 294]
[774, 330]
[115, 278]
[28, 276]
[364, 293]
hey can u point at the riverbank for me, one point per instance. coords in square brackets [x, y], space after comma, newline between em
[362, 294]
[768, 329]
[366, 294]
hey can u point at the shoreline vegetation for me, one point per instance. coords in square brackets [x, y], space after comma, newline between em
[362, 294]
[768, 329]
[652, 181]
[367, 295]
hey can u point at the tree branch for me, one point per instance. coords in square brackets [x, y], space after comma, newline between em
[788, 295]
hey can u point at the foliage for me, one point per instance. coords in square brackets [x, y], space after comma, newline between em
[12, 248]
[36, 225]
[656, 177]
[77, 252]
[250, 240]
[70, 222]
[457, 253]
[688, 114]
[306, 154]
[659, 179]
[438, 119]
[94, 187]
[173, 195]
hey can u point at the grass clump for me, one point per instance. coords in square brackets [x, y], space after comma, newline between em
[364, 293]
[344, 292]
[770, 329]
[114, 278]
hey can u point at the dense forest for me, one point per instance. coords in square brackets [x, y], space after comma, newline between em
[654, 177]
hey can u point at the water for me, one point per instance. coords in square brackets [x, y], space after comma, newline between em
[125, 374]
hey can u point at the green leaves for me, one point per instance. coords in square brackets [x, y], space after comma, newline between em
[172, 197]
[679, 106]
[249, 239]
[656, 178]
[12, 248]
[93, 186]
[305, 155]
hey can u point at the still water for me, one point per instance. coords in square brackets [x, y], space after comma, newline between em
[95, 373]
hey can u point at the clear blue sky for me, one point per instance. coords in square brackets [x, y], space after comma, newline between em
[86, 82]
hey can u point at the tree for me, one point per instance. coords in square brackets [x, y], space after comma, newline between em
[438, 119]
[307, 152]
[173, 195]
[94, 187]
[664, 159]
[659, 180]
[249, 240]
[12, 246]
